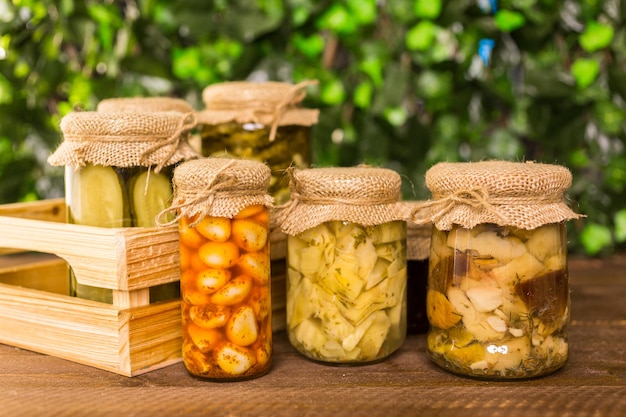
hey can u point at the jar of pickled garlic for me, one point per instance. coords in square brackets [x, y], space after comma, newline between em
[498, 298]
[346, 261]
[222, 208]
[262, 121]
[118, 169]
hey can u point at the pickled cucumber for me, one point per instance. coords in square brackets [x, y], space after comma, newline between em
[97, 197]
[290, 147]
[149, 200]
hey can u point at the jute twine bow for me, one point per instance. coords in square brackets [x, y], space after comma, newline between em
[86, 141]
[333, 193]
[205, 197]
[199, 202]
[477, 198]
[293, 96]
[186, 123]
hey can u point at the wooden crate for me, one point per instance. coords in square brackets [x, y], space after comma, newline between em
[130, 336]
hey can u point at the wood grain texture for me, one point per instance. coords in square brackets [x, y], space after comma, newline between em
[593, 383]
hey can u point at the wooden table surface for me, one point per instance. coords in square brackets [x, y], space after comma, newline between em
[593, 383]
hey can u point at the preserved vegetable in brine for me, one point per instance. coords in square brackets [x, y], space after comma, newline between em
[261, 121]
[118, 169]
[225, 286]
[498, 300]
[346, 291]
[291, 146]
[346, 264]
[222, 208]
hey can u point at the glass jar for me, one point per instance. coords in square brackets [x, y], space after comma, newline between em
[118, 171]
[107, 196]
[418, 251]
[223, 220]
[346, 264]
[259, 121]
[498, 299]
[346, 291]
[225, 289]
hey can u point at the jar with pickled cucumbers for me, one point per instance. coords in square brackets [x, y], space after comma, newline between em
[118, 170]
[498, 298]
[222, 209]
[347, 265]
[262, 121]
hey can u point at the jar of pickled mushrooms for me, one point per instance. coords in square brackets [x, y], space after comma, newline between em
[347, 265]
[222, 209]
[498, 298]
[263, 121]
[118, 169]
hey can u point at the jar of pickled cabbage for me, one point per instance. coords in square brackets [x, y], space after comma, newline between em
[346, 261]
[222, 208]
[118, 169]
[262, 121]
[498, 298]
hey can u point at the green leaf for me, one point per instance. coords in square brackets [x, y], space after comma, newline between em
[364, 11]
[300, 16]
[185, 62]
[596, 36]
[620, 226]
[508, 21]
[332, 92]
[615, 174]
[578, 158]
[427, 9]
[6, 90]
[373, 67]
[421, 36]
[595, 237]
[311, 46]
[585, 71]
[396, 116]
[338, 19]
[433, 84]
[610, 116]
[363, 95]
[504, 145]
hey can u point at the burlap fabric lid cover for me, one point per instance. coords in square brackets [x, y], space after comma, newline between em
[268, 103]
[144, 104]
[524, 195]
[219, 187]
[125, 139]
[363, 195]
[418, 235]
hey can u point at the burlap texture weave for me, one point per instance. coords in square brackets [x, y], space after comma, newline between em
[144, 104]
[519, 194]
[125, 139]
[417, 235]
[219, 187]
[267, 103]
[363, 195]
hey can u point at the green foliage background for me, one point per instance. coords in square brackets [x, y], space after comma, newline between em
[401, 82]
